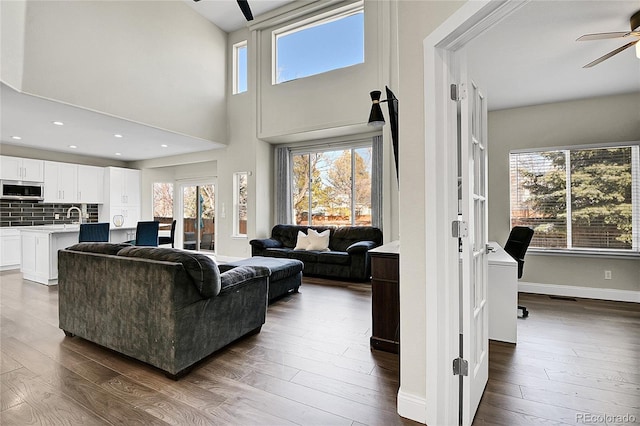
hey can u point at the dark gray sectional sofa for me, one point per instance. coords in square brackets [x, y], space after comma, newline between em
[347, 258]
[166, 307]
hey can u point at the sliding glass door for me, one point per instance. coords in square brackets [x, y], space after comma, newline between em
[198, 217]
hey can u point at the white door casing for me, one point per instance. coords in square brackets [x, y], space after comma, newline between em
[474, 324]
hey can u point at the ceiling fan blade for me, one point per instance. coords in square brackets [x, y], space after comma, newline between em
[600, 36]
[246, 10]
[610, 54]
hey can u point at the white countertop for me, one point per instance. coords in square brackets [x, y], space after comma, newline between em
[500, 257]
[393, 248]
[59, 229]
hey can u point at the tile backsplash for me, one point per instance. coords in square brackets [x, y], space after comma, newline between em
[29, 213]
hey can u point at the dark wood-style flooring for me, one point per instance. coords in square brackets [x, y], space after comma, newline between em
[311, 365]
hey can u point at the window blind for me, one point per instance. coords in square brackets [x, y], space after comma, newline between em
[583, 199]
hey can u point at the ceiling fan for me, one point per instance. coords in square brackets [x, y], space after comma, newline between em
[244, 7]
[635, 32]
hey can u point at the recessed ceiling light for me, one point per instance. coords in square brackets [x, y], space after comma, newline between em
[72, 146]
[117, 153]
[164, 145]
[117, 135]
[16, 137]
[58, 123]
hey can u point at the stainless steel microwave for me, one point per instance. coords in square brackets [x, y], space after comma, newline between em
[21, 190]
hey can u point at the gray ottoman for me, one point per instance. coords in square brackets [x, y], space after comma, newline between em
[286, 274]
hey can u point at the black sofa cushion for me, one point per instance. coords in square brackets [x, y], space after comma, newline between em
[100, 248]
[334, 257]
[202, 269]
[279, 269]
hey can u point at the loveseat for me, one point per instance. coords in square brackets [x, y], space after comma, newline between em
[167, 307]
[347, 256]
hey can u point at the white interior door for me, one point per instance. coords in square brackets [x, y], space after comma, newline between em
[474, 322]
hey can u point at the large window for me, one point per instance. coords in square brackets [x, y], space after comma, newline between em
[240, 67]
[325, 43]
[332, 187]
[582, 199]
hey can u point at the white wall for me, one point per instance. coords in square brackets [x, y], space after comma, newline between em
[153, 62]
[588, 121]
[416, 20]
[12, 23]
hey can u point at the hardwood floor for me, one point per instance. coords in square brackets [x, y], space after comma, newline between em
[311, 364]
[576, 362]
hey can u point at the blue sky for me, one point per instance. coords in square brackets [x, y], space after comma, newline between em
[337, 44]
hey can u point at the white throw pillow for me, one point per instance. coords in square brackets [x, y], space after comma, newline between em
[302, 242]
[318, 241]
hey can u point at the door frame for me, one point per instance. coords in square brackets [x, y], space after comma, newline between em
[441, 203]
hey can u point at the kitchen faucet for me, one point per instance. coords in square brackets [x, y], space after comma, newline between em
[79, 213]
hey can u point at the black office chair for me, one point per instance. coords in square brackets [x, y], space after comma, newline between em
[93, 232]
[517, 245]
[169, 240]
[147, 234]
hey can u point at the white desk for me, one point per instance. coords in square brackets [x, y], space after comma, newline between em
[502, 295]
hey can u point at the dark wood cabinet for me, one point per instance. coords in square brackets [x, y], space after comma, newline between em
[385, 298]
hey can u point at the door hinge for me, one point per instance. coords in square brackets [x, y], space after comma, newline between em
[460, 367]
[459, 229]
[458, 92]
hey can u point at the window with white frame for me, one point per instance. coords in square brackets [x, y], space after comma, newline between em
[240, 196]
[240, 67]
[332, 186]
[323, 43]
[163, 202]
[583, 199]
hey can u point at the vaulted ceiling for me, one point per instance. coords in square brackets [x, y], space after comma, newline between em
[531, 57]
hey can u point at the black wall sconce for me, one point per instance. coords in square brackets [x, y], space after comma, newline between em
[376, 118]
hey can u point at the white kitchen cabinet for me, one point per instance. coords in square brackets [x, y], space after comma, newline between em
[121, 196]
[40, 245]
[73, 183]
[124, 186]
[26, 169]
[35, 256]
[9, 249]
[60, 182]
[90, 184]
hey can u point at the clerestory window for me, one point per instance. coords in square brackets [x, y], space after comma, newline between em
[323, 43]
[240, 67]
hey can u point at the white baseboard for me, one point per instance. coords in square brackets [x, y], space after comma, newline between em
[412, 407]
[583, 292]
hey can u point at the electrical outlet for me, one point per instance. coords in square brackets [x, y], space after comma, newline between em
[57, 216]
[607, 275]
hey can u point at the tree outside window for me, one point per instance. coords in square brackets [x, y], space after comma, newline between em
[577, 198]
[163, 202]
[332, 187]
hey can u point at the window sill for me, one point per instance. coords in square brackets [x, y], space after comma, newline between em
[239, 237]
[584, 253]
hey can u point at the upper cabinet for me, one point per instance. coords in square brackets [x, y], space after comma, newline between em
[90, 184]
[60, 182]
[72, 183]
[124, 186]
[26, 169]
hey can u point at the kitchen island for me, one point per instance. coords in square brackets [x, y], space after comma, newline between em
[40, 245]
